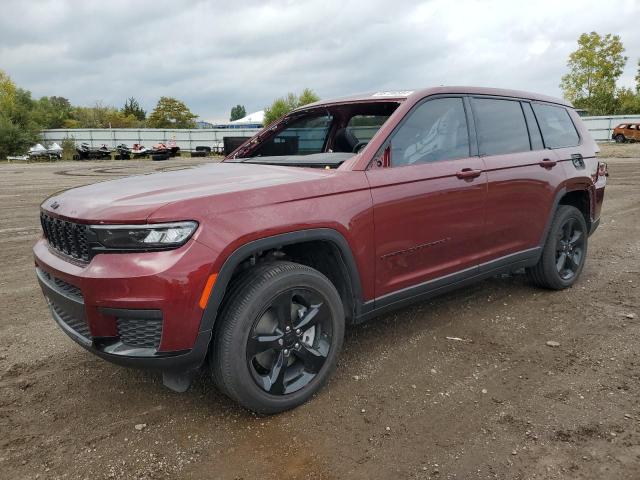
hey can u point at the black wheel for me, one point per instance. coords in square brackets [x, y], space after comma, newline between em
[564, 252]
[278, 338]
[620, 138]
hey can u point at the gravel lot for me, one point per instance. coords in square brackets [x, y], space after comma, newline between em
[406, 402]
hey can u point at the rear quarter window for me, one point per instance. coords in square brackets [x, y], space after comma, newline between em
[557, 128]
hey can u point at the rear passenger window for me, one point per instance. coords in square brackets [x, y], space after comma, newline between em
[557, 128]
[435, 130]
[534, 130]
[501, 126]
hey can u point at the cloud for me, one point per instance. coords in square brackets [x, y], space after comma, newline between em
[214, 55]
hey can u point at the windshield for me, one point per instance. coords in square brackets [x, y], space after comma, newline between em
[325, 136]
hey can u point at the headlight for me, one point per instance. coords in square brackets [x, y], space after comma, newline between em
[144, 237]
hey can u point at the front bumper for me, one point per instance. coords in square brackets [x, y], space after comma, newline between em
[138, 310]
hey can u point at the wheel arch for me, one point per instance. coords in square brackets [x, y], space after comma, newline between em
[578, 195]
[345, 268]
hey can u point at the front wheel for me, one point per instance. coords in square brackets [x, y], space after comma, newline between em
[564, 252]
[620, 138]
[280, 334]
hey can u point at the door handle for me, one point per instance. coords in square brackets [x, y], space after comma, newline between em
[547, 163]
[467, 173]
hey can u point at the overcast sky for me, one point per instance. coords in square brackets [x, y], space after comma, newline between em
[215, 54]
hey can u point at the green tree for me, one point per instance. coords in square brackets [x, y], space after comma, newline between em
[18, 130]
[307, 96]
[594, 69]
[627, 102]
[51, 112]
[171, 113]
[283, 105]
[638, 79]
[237, 113]
[133, 108]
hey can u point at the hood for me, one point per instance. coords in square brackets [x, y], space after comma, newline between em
[134, 199]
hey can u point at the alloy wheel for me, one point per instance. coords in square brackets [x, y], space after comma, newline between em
[570, 249]
[289, 341]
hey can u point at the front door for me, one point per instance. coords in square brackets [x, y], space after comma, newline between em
[428, 199]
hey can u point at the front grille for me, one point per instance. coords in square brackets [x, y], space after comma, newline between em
[66, 237]
[138, 332]
[79, 325]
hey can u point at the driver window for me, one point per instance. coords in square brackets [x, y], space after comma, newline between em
[436, 130]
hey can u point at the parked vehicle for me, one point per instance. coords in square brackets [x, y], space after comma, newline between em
[257, 263]
[86, 152]
[173, 148]
[626, 132]
[54, 152]
[123, 152]
[38, 151]
[138, 150]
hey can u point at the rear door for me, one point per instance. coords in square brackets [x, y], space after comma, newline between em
[429, 189]
[522, 176]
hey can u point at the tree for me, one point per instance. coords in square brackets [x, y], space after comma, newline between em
[171, 113]
[51, 112]
[594, 69]
[307, 96]
[638, 79]
[133, 108]
[237, 113]
[627, 102]
[18, 130]
[281, 106]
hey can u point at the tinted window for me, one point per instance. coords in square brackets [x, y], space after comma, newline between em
[435, 130]
[534, 130]
[557, 128]
[302, 137]
[501, 126]
[364, 127]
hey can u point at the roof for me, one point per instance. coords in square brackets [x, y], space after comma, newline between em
[400, 95]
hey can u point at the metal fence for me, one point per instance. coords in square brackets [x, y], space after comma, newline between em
[600, 127]
[187, 139]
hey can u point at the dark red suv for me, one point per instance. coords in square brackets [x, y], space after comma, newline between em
[339, 211]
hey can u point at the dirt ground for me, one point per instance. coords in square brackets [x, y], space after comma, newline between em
[405, 402]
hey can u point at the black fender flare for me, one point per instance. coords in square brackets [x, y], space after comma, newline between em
[229, 266]
[562, 191]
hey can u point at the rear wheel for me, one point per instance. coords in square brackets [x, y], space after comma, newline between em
[279, 337]
[564, 252]
[620, 138]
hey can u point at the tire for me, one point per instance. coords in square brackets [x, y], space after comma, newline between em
[620, 138]
[252, 344]
[564, 252]
[160, 157]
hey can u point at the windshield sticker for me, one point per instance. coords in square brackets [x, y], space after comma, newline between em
[393, 93]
